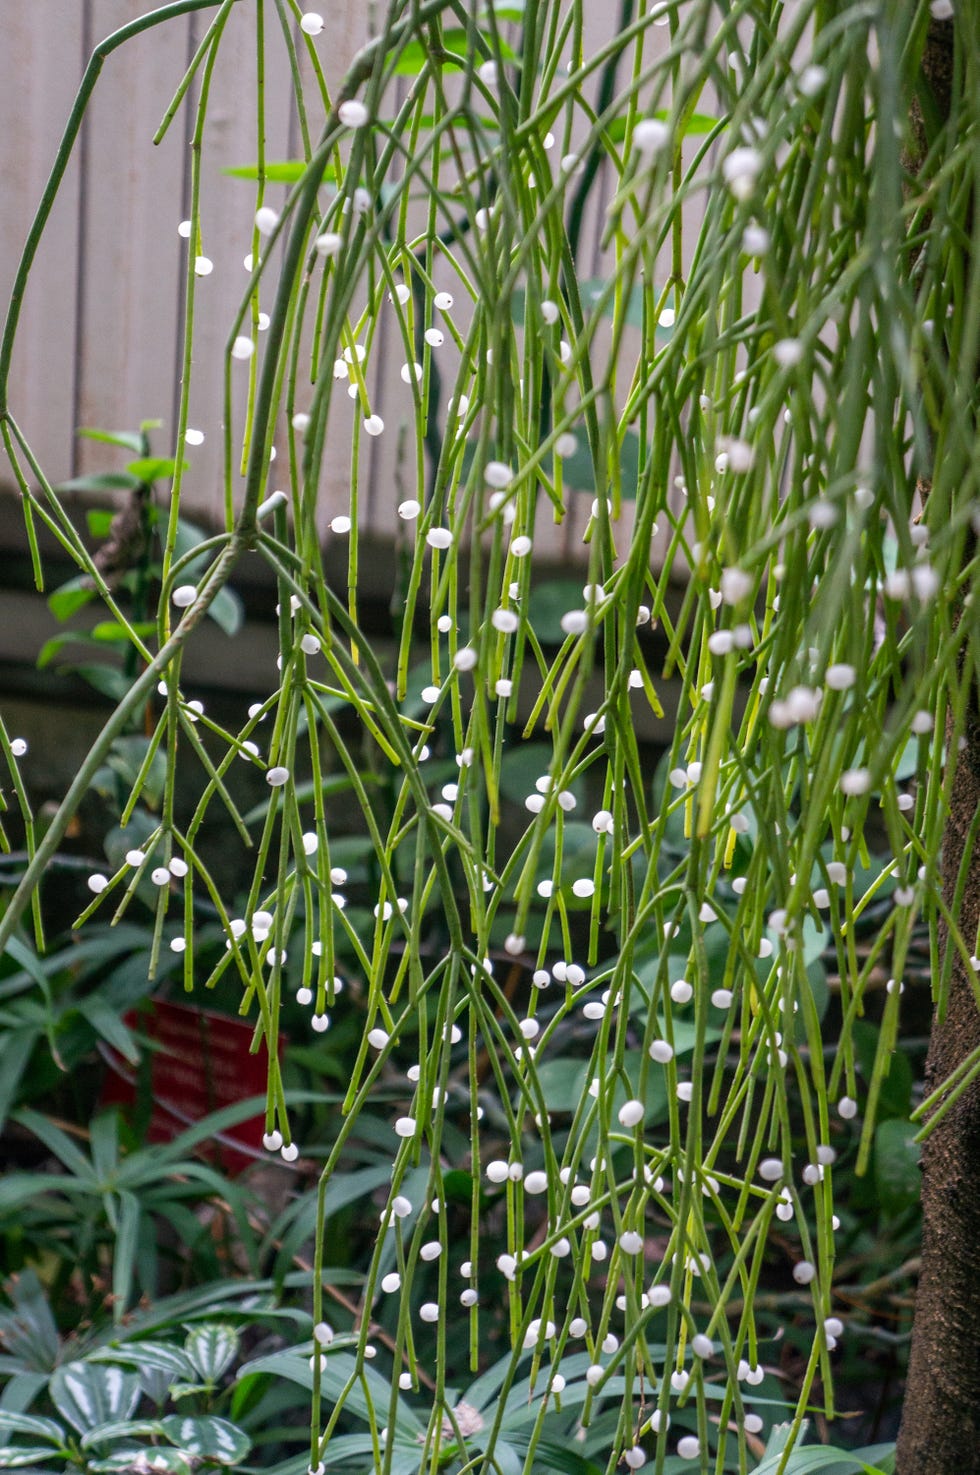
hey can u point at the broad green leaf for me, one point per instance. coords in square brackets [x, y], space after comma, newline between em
[207, 1438]
[286, 171]
[226, 611]
[13, 1423]
[521, 767]
[630, 305]
[126, 757]
[415, 55]
[896, 1166]
[895, 1097]
[823, 1457]
[89, 1394]
[154, 468]
[165, 1461]
[578, 472]
[106, 679]
[123, 1429]
[697, 124]
[24, 1457]
[69, 598]
[125, 438]
[111, 630]
[337, 1367]
[211, 1348]
[53, 647]
[551, 1455]
[99, 522]
[102, 481]
[160, 1356]
[548, 602]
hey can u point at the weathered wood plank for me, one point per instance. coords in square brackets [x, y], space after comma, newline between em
[38, 78]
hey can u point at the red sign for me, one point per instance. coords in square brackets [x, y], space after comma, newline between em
[202, 1061]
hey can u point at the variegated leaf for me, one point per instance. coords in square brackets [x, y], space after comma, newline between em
[88, 1394]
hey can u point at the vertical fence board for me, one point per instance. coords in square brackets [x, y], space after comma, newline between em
[38, 78]
[113, 266]
[127, 322]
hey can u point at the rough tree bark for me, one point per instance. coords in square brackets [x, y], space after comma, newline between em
[940, 1431]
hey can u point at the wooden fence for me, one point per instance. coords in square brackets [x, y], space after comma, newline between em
[100, 340]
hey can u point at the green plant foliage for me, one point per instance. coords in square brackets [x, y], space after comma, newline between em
[598, 1053]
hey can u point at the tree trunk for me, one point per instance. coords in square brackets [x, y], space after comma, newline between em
[940, 1431]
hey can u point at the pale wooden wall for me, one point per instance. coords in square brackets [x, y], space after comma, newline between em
[100, 336]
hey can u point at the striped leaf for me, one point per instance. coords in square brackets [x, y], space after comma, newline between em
[158, 1356]
[124, 1429]
[208, 1438]
[88, 1394]
[24, 1457]
[211, 1347]
[13, 1423]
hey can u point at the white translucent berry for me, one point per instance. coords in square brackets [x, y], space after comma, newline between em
[352, 113]
[498, 474]
[650, 136]
[740, 170]
[787, 352]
